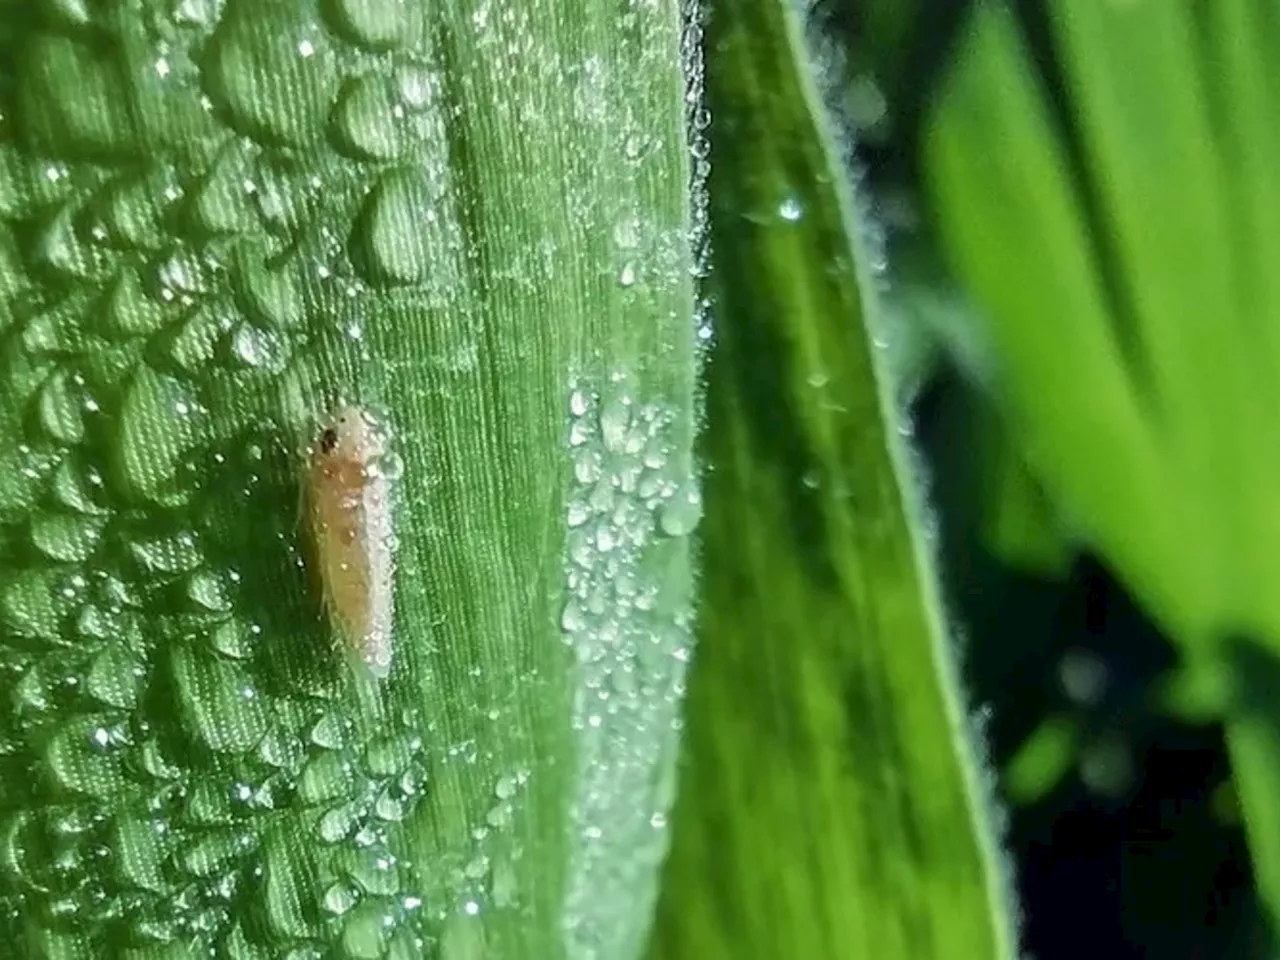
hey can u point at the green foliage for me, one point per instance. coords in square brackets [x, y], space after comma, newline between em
[828, 806]
[1117, 226]
[216, 219]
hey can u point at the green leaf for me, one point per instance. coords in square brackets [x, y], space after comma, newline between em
[1016, 205]
[829, 801]
[1123, 251]
[217, 220]
[1042, 760]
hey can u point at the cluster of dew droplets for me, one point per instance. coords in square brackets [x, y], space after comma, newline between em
[627, 620]
[486, 873]
[360, 788]
[698, 123]
[154, 780]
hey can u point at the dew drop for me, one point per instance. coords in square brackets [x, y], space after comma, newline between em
[258, 348]
[340, 897]
[390, 465]
[505, 788]
[791, 210]
[681, 514]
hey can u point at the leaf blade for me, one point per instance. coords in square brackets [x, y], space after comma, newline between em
[828, 804]
[292, 204]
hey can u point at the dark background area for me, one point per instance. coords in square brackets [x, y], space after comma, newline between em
[1150, 867]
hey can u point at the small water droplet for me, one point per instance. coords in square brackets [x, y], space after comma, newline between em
[1083, 676]
[681, 514]
[573, 618]
[390, 465]
[505, 788]
[477, 868]
[615, 420]
[255, 347]
[340, 897]
[791, 210]
[626, 233]
[418, 87]
[338, 823]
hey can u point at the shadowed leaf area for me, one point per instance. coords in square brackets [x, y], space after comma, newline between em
[828, 806]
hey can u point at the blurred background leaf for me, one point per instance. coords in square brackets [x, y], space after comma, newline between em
[1115, 242]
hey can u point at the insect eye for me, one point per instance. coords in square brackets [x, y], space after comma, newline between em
[328, 440]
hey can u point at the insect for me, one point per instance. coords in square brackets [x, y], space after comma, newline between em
[347, 503]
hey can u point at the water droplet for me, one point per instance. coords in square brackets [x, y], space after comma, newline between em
[682, 512]
[270, 73]
[397, 246]
[365, 933]
[791, 209]
[389, 807]
[1083, 676]
[68, 538]
[375, 24]
[340, 897]
[615, 419]
[365, 118]
[391, 754]
[505, 788]
[330, 731]
[327, 776]
[419, 87]
[626, 233]
[573, 618]
[258, 348]
[62, 408]
[390, 465]
[339, 823]
[178, 553]
[633, 146]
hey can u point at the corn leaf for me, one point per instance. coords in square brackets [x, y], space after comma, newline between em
[218, 220]
[828, 803]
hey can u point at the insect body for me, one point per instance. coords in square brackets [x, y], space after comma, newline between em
[348, 509]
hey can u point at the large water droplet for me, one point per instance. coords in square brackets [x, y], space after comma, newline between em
[273, 72]
[366, 119]
[680, 515]
[398, 236]
[376, 24]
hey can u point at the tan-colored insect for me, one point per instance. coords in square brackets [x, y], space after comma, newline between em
[348, 509]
